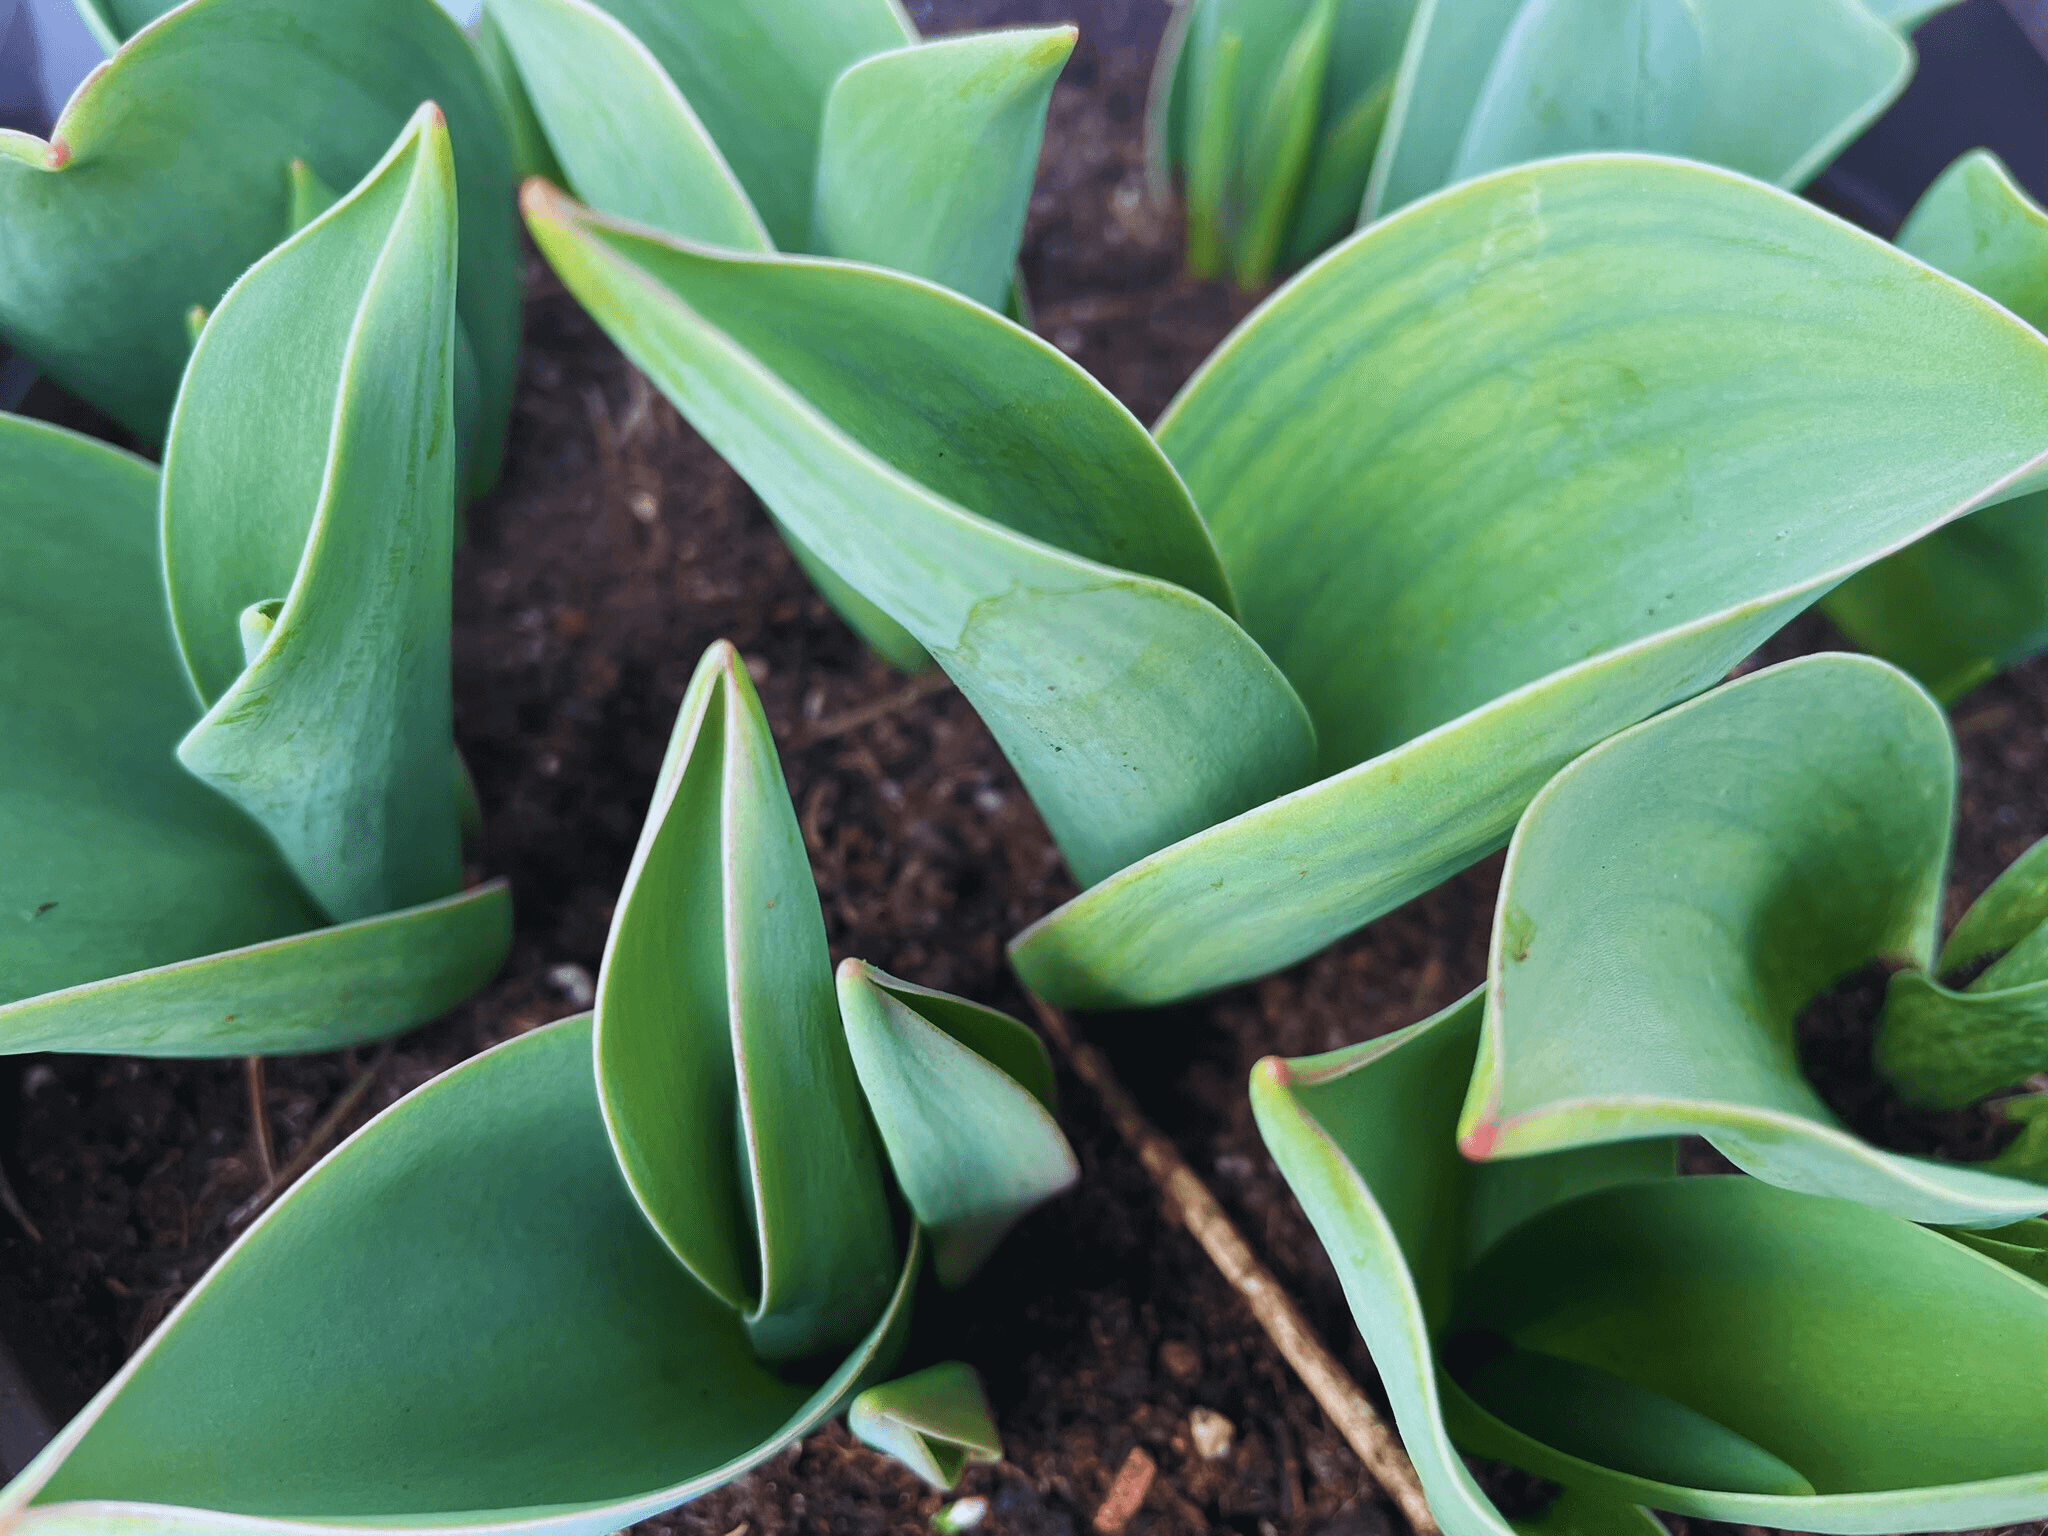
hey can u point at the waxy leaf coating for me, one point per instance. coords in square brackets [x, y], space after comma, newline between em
[166, 177]
[1550, 1310]
[1675, 899]
[1511, 470]
[147, 914]
[493, 1335]
[727, 1087]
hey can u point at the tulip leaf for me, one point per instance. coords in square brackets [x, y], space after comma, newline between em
[930, 1064]
[727, 1086]
[323, 474]
[2022, 1246]
[1282, 137]
[990, 497]
[757, 73]
[1675, 899]
[113, 22]
[623, 133]
[1509, 472]
[1786, 1320]
[107, 240]
[495, 1336]
[1771, 89]
[1969, 601]
[935, 1421]
[2027, 1155]
[2012, 907]
[928, 153]
[532, 155]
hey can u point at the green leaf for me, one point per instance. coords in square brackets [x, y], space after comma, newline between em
[990, 497]
[322, 474]
[930, 1064]
[1785, 1320]
[2013, 906]
[2027, 1156]
[1675, 899]
[531, 153]
[492, 1332]
[1971, 600]
[928, 153]
[1770, 89]
[1511, 471]
[757, 73]
[113, 22]
[2022, 1246]
[1282, 138]
[1942, 1048]
[935, 1422]
[109, 239]
[727, 1087]
[624, 134]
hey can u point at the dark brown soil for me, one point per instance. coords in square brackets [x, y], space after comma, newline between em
[618, 547]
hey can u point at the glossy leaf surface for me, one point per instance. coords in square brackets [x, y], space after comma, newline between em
[931, 1064]
[1512, 470]
[928, 153]
[1972, 599]
[990, 497]
[1776, 1325]
[310, 488]
[107, 239]
[727, 1087]
[1675, 899]
[934, 1421]
[495, 1333]
[1770, 89]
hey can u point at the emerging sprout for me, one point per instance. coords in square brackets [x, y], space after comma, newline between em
[1502, 475]
[610, 1264]
[307, 511]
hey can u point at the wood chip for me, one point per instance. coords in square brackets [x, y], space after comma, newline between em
[1133, 1482]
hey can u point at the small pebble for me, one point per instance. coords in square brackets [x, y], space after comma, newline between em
[574, 983]
[1126, 1494]
[960, 1515]
[1181, 1362]
[1212, 1433]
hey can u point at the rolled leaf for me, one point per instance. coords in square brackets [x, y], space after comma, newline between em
[1772, 90]
[930, 1064]
[928, 153]
[985, 493]
[1512, 471]
[935, 1421]
[1971, 600]
[2011, 908]
[323, 474]
[106, 242]
[1676, 898]
[1777, 1326]
[757, 72]
[726, 1084]
[494, 1333]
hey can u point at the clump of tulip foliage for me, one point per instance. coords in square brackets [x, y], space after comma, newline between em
[1446, 548]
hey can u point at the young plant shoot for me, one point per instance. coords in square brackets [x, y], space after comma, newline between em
[112, 242]
[236, 828]
[759, 126]
[616, 1261]
[1713, 1346]
[1676, 899]
[1502, 475]
[1293, 121]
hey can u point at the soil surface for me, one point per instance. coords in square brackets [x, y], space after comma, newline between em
[617, 548]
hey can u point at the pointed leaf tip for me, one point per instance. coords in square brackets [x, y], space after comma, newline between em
[1477, 1145]
[58, 154]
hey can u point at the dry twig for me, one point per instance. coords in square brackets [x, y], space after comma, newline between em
[921, 687]
[1190, 1202]
[259, 1120]
[315, 1143]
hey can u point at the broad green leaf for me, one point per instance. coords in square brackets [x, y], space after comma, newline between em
[117, 859]
[1767, 88]
[1675, 899]
[928, 153]
[492, 1334]
[1958, 607]
[930, 1064]
[1942, 1048]
[1282, 138]
[990, 497]
[1785, 1321]
[934, 1421]
[727, 1087]
[531, 153]
[1515, 469]
[1575, 1512]
[757, 73]
[165, 178]
[624, 134]
[308, 521]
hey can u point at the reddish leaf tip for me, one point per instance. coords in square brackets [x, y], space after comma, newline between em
[1276, 1071]
[851, 969]
[1478, 1144]
[58, 154]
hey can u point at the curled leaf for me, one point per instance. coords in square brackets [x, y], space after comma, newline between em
[935, 1421]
